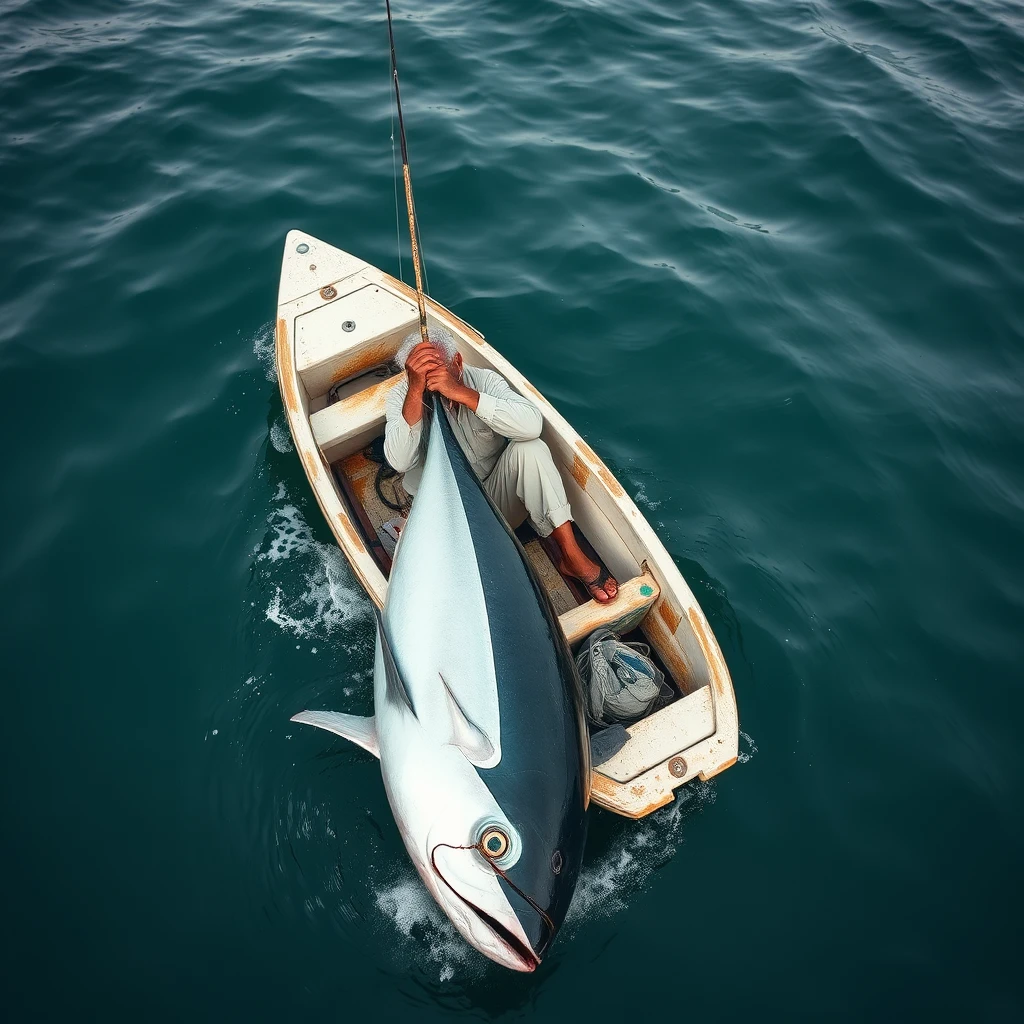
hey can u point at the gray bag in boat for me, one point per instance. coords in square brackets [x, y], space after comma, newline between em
[622, 682]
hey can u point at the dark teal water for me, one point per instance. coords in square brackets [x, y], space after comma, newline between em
[766, 257]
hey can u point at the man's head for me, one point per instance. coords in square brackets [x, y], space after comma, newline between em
[440, 337]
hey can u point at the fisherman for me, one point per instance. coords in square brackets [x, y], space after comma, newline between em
[499, 431]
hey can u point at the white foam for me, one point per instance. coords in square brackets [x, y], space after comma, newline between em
[605, 886]
[277, 615]
[604, 889]
[281, 436]
[291, 534]
[263, 347]
[430, 937]
[331, 595]
[745, 755]
[643, 500]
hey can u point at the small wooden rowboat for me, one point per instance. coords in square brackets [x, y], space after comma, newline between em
[339, 323]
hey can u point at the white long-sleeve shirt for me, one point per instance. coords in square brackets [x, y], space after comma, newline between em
[501, 416]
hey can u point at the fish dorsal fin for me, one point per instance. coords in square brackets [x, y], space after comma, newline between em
[470, 739]
[394, 688]
[362, 731]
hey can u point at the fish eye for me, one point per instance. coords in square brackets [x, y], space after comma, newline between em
[494, 843]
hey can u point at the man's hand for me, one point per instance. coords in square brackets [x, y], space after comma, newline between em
[422, 359]
[447, 381]
[427, 371]
[441, 379]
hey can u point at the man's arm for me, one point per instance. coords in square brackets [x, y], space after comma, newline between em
[401, 438]
[506, 412]
[502, 409]
[405, 411]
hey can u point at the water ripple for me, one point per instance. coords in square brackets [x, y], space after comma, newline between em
[765, 257]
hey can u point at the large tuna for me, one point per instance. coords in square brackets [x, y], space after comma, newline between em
[478, 722]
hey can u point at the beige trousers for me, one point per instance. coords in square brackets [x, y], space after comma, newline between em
[525, 482]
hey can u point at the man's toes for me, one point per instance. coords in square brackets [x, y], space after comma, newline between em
[599, 594]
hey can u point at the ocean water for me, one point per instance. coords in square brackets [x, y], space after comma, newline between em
[766, 257]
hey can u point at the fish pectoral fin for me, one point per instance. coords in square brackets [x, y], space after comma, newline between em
[362, 731]
[394, 687]
[469, 738]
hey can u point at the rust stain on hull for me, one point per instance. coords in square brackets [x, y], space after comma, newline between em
[719, 769]
[666, 644]
[311, 464]
[610, 482]
[285, 370]
[669, 615]
[580, 472]
[372, 400]
[363, 359]
[697, 624]
[613, 485]
[316, 470]
[353, 538]
[533, 391]
[606, 792]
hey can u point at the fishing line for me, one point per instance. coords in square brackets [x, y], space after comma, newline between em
[414, 239]
[482, 850]
[394, 174]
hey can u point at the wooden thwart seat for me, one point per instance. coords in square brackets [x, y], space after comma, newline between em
[352, 422]
[631, 604]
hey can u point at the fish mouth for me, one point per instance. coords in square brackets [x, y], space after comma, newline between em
[529, 960]
[521, 956]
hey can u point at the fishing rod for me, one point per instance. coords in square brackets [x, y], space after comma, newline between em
[409, 205]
